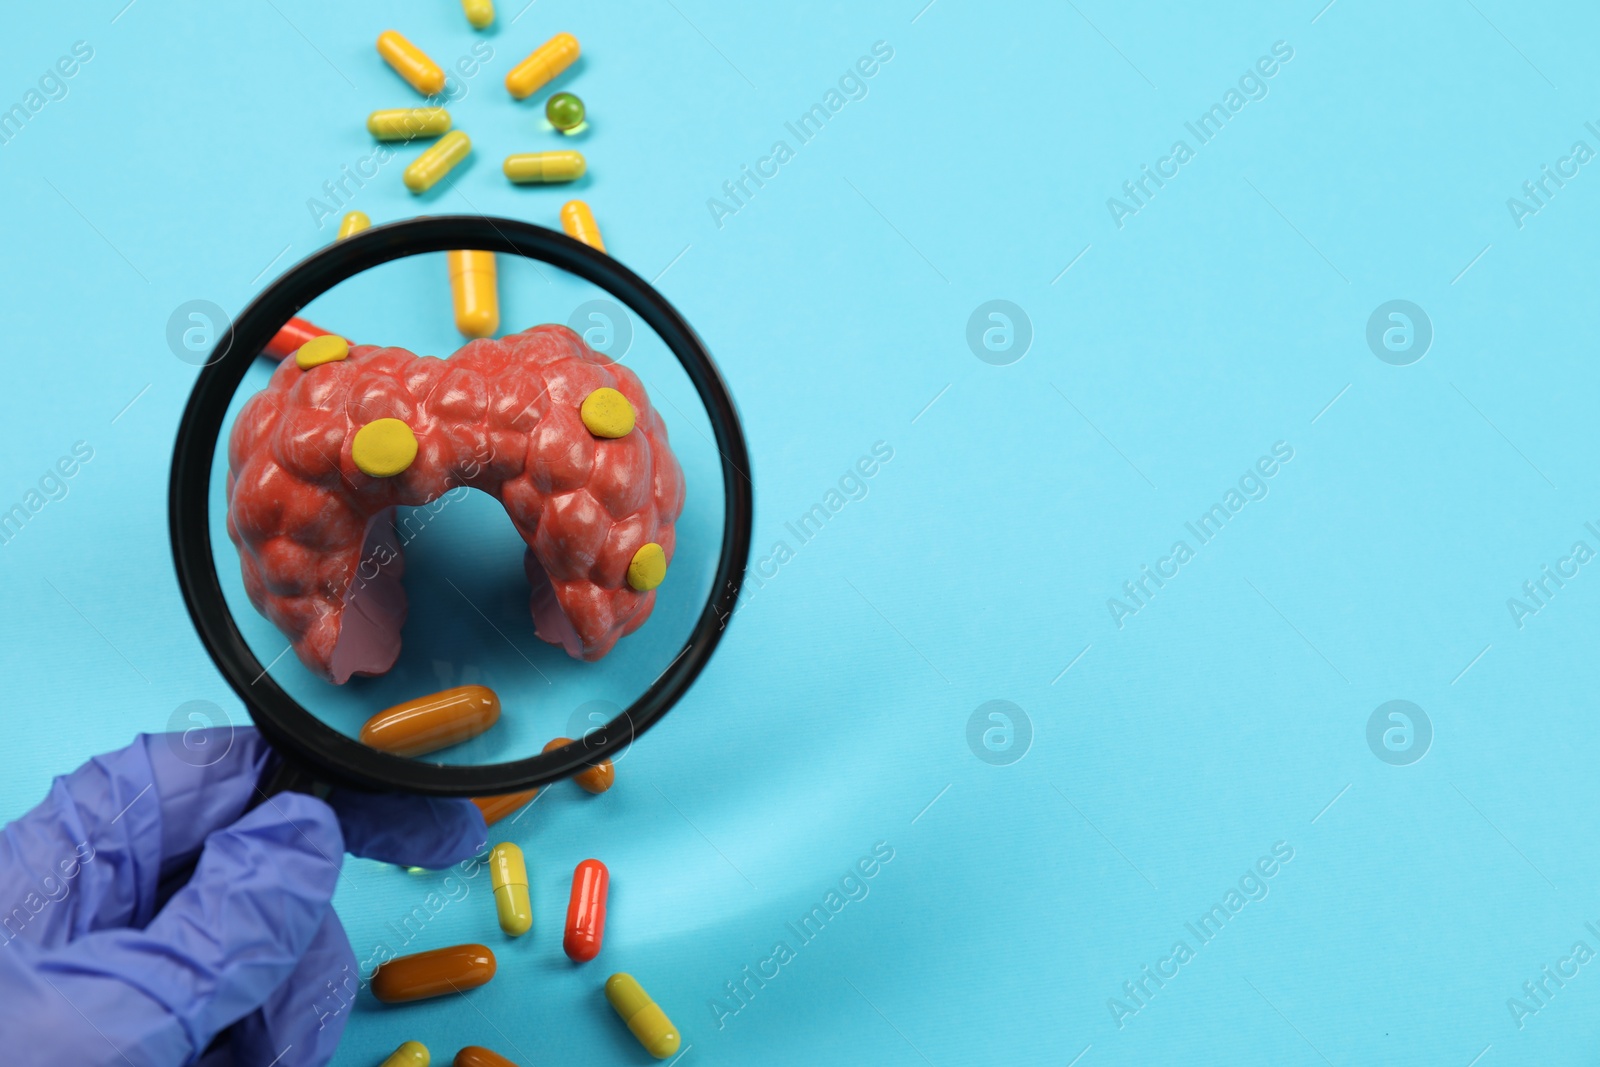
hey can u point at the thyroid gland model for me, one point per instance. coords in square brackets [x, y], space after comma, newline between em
[563, 437]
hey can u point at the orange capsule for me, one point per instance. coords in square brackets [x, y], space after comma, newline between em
[436, 721]
[288, 340]
[596, 779]
[478, 1056]
[496, 808]
[433, 974]
[586, 911]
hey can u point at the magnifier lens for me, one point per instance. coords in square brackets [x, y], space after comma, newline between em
[390, 525]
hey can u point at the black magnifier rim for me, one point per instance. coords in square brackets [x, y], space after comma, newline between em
[296, 733]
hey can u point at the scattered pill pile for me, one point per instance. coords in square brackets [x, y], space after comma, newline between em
[451, 716]
[472, 275]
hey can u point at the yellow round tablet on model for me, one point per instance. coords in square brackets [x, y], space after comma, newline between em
[320, 350]
[607, 413]
[384, 448]
[648, 569]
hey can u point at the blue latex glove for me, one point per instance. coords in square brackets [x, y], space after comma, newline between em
[108, 957]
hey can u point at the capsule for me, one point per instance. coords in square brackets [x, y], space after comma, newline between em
[353, 223]
[410, 1054]
[478, 1056]
[472, 286]
[435, 721]
[440, 159]
[508, 875]
[586, 911]
[546, 168]
[643, 1016]
[294, 333]
[433, 974]
[548, 60]
[596, 779]
[408, 123]
[496, 808]
[479, 12]
[578, 221]
[411, 63]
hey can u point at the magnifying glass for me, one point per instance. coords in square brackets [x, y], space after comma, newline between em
[359, 534]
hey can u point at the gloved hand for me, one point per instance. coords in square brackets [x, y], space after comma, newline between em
[108, 957]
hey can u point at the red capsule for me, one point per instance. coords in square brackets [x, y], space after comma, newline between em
[586, 911]
[288, 340]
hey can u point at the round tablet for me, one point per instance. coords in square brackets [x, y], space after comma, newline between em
[320, 350]
[384, 448]
[607, 413]
[648, 569]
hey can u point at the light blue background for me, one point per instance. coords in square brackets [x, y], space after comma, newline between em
[1230, 313]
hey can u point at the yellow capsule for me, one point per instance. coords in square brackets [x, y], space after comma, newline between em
[546, 167]
[439, 160]
[548, 60]
[408, 123]
[411, 63]
[479, 12]
[643, 1016]
[472, 285]
[508, 874]
[410, 1054]
[353, 223]
[578, 221]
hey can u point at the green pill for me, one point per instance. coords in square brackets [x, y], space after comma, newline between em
[565, 112]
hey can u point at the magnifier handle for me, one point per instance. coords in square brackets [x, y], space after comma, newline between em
[284, 776]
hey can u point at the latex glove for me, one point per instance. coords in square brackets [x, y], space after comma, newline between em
[108, 957]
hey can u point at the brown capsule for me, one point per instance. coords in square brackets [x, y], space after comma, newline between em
[478, 1056]
[596, 779]
[436, 721]
[496, 808]
[433, 974]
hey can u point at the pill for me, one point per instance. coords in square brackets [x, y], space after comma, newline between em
[411, 63]
[294, 333]
[546, 168]
[496, 808]
[436, 721]
[407, 123]
[433, 974]
[320, 350]
[384, 448]
[478, 1056]
[607, 413]
[643, 1016]
[548, 60]
[508, 875]
[440, 159]
[353, 222]
[596, 779]
[578, 221]
[410, 1054]
[565, 111]
[586, 911]
[472, 286]
[648, 568]
[479, 12]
